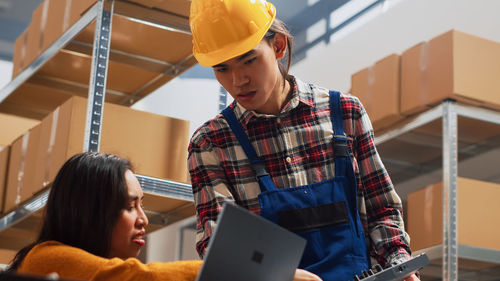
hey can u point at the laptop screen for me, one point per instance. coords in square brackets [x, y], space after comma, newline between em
[245, 246]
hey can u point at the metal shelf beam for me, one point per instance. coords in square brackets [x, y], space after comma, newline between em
[464, 251]
[157, 186]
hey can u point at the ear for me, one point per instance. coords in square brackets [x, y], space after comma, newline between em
[279, 45]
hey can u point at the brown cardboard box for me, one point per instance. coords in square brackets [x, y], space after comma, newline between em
[135, 38]
[179, 7]
[78, 8]
[13, 126]
[120, 77]
[155, 144]
[33, 43]
[19, 57]
[4, 162]
[378, 88]
[21, 172]
[53, 25]
[477, 212]
[453, 65]
[6, 256]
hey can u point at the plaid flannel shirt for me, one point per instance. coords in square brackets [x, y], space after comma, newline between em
[296, 146]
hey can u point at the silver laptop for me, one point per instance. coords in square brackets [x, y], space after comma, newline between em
[247, 247]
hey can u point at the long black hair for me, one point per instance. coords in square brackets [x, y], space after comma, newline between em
[84, 204]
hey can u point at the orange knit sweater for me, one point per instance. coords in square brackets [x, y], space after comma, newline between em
[74, 263]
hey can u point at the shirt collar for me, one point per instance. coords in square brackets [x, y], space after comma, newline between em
[301, 94]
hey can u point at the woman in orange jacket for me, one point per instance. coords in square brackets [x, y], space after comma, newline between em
[94, 227]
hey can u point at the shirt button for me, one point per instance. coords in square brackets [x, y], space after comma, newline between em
[289, 160]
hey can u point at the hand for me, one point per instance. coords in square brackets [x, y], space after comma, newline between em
[412, 277]
[304, 275]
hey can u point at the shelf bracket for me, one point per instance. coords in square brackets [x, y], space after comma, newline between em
[99, 70]
[450, 162]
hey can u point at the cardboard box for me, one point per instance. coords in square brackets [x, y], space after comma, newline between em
[378, 88]
[78, 8]
[179, 7]
[13, 126]
[453, 65]
[155, 144]
[4, 164]
[120, 77]
[49, 21]
[21, 171]
[135, 38]
[6, 256]
[477, 212]
[18, 59]
[55, 23]
[33, 43]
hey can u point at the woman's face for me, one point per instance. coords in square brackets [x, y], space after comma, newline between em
[253, 79]
[128, 234]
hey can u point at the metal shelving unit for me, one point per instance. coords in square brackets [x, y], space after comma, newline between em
[449, 256]
[18, 227]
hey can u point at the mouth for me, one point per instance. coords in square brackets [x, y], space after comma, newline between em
[246, 96]
[139, 238]
[247, 93]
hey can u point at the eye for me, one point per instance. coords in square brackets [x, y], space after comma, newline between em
[220, 69]
[250, 60]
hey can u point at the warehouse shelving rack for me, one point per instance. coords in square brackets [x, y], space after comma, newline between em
[445, 257]
[18, 226]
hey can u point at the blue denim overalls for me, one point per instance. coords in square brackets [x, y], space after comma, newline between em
[324, 213]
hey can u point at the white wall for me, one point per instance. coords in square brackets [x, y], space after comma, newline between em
[5, 73]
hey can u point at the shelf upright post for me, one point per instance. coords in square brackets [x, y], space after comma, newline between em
[97, 85]
[450, 162]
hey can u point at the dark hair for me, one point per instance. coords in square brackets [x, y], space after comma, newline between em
[84, 204]
[279, 26]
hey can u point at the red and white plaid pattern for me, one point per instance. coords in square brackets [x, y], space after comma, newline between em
[297, 149]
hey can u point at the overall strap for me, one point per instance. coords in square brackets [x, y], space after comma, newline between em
[339, 137]
[258, 166]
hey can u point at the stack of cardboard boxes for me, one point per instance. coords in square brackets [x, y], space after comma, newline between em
[477, 210]
[12, 127]
[142, 57]
[48, 22]
[155, 144]
[457, 66]
[453, 65]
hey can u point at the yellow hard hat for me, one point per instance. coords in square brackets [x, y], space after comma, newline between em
[224, 29]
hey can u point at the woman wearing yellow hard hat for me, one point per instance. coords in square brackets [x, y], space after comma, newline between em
[295, 153]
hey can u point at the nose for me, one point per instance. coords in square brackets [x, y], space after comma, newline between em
[240, 78]
[142, 219]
